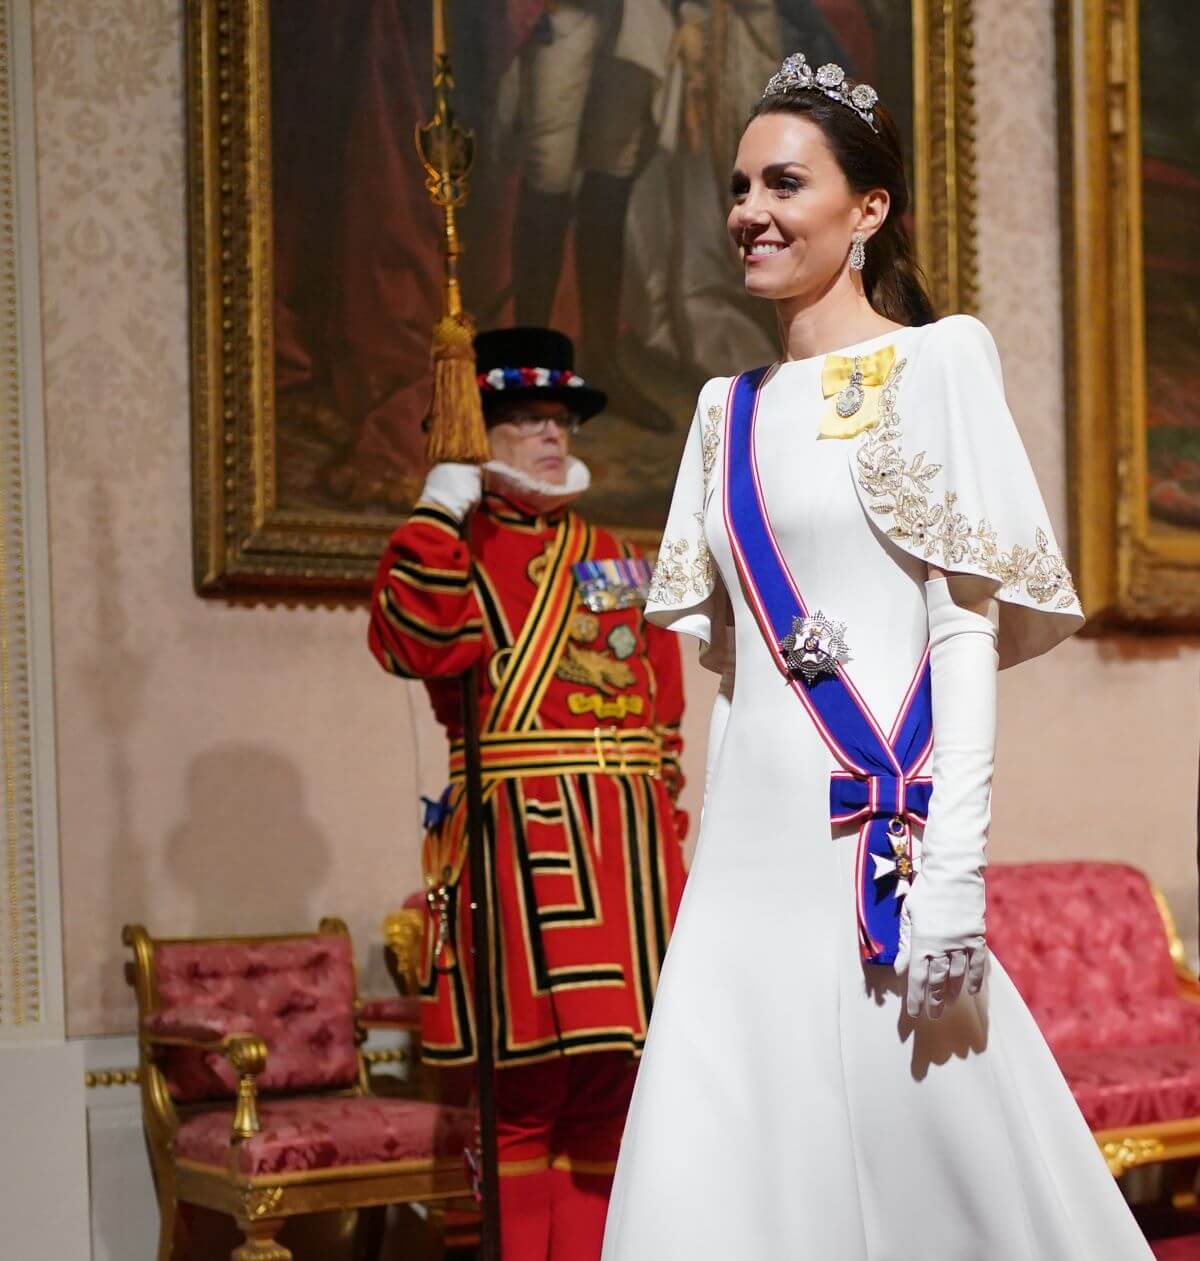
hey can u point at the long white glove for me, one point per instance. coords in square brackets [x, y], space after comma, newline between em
[942, 922]
[716, 730]
[455, 487]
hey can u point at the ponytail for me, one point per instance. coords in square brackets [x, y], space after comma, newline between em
[892, 278]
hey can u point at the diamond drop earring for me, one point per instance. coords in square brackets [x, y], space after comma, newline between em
[858, 252]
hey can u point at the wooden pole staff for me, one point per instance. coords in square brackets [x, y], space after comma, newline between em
[457, 433]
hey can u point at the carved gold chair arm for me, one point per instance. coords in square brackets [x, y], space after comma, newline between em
[403, 932]
[247, 1055]
[1186, 980]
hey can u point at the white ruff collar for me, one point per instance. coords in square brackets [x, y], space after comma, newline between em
[541, 496]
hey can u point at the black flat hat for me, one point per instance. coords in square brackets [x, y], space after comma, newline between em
[514, 364]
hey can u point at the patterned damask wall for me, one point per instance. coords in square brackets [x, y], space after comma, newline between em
[221, 769]
[250, 769]
[1018, 230]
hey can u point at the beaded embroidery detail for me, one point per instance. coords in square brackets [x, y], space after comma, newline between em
[710, 442]
[903, 492]
[678, 573]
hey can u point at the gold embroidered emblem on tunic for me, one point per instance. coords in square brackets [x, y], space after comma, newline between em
[596, 669]
[584, 627]
[938, 530]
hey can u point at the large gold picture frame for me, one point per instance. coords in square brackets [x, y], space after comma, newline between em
[1131, 367]
[245, 541]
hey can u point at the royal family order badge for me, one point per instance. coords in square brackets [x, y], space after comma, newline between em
[815, 647]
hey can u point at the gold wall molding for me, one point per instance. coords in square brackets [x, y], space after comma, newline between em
[30, 948]
[1131, 570]
[111, 1077]
[947, 192]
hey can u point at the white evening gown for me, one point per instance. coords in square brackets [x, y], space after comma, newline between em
[786, 1107]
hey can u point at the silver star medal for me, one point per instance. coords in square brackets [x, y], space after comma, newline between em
[816, 646]
[850, 399]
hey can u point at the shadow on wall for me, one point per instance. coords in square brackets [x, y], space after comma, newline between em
[247, 857]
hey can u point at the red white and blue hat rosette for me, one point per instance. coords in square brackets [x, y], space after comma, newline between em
[525, 364]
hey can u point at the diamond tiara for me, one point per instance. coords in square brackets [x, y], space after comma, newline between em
[796, 75]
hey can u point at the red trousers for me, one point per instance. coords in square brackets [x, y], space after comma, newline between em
[559, 1127]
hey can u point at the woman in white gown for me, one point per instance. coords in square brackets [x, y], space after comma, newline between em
[857, 534]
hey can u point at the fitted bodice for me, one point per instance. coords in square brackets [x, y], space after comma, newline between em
[843, 565]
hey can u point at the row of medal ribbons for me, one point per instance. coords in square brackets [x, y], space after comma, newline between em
[607, 585]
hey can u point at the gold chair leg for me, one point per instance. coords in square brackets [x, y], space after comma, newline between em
[261, 1244]
[1181, 1184]
[168, 1220]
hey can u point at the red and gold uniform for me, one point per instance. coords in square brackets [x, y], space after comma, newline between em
[581, 829]
[580, 716]
[579, 708]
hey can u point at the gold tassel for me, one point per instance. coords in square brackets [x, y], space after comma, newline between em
[456, 429]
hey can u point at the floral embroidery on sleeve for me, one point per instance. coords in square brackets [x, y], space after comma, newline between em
[936, 529]
[681, 572]
[710, 441]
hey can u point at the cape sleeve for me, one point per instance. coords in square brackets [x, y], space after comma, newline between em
[945, 477]
[686, 592]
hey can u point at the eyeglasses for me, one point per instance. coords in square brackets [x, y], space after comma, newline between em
[532, 426]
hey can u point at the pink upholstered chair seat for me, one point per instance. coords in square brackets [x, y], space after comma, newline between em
[324, 1133]
[394, 1009]
[1139, 1085]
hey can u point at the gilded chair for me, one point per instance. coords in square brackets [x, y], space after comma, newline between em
[403, 933]
[403, 938]
[255, 1095]
[1093, 949]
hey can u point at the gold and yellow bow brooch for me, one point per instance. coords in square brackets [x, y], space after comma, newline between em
[852, 384]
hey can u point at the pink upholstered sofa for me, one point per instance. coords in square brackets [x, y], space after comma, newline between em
[1094, 951]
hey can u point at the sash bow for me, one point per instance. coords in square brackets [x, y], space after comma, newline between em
[887, 797]
[838, 369]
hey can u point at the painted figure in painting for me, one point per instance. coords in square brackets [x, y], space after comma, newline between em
[1170, 117]
[604, 136]
[581, 701]
[586, 83]
[857, 541]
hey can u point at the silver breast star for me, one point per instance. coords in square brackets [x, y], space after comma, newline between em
[816, 646]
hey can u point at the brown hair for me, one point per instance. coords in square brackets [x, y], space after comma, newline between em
[892, 278]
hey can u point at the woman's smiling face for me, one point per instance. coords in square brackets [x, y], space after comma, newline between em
[793, 212]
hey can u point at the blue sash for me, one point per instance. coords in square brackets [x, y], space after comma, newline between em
[878, 784]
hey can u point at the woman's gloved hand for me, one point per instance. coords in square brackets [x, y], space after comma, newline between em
[942, 943]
